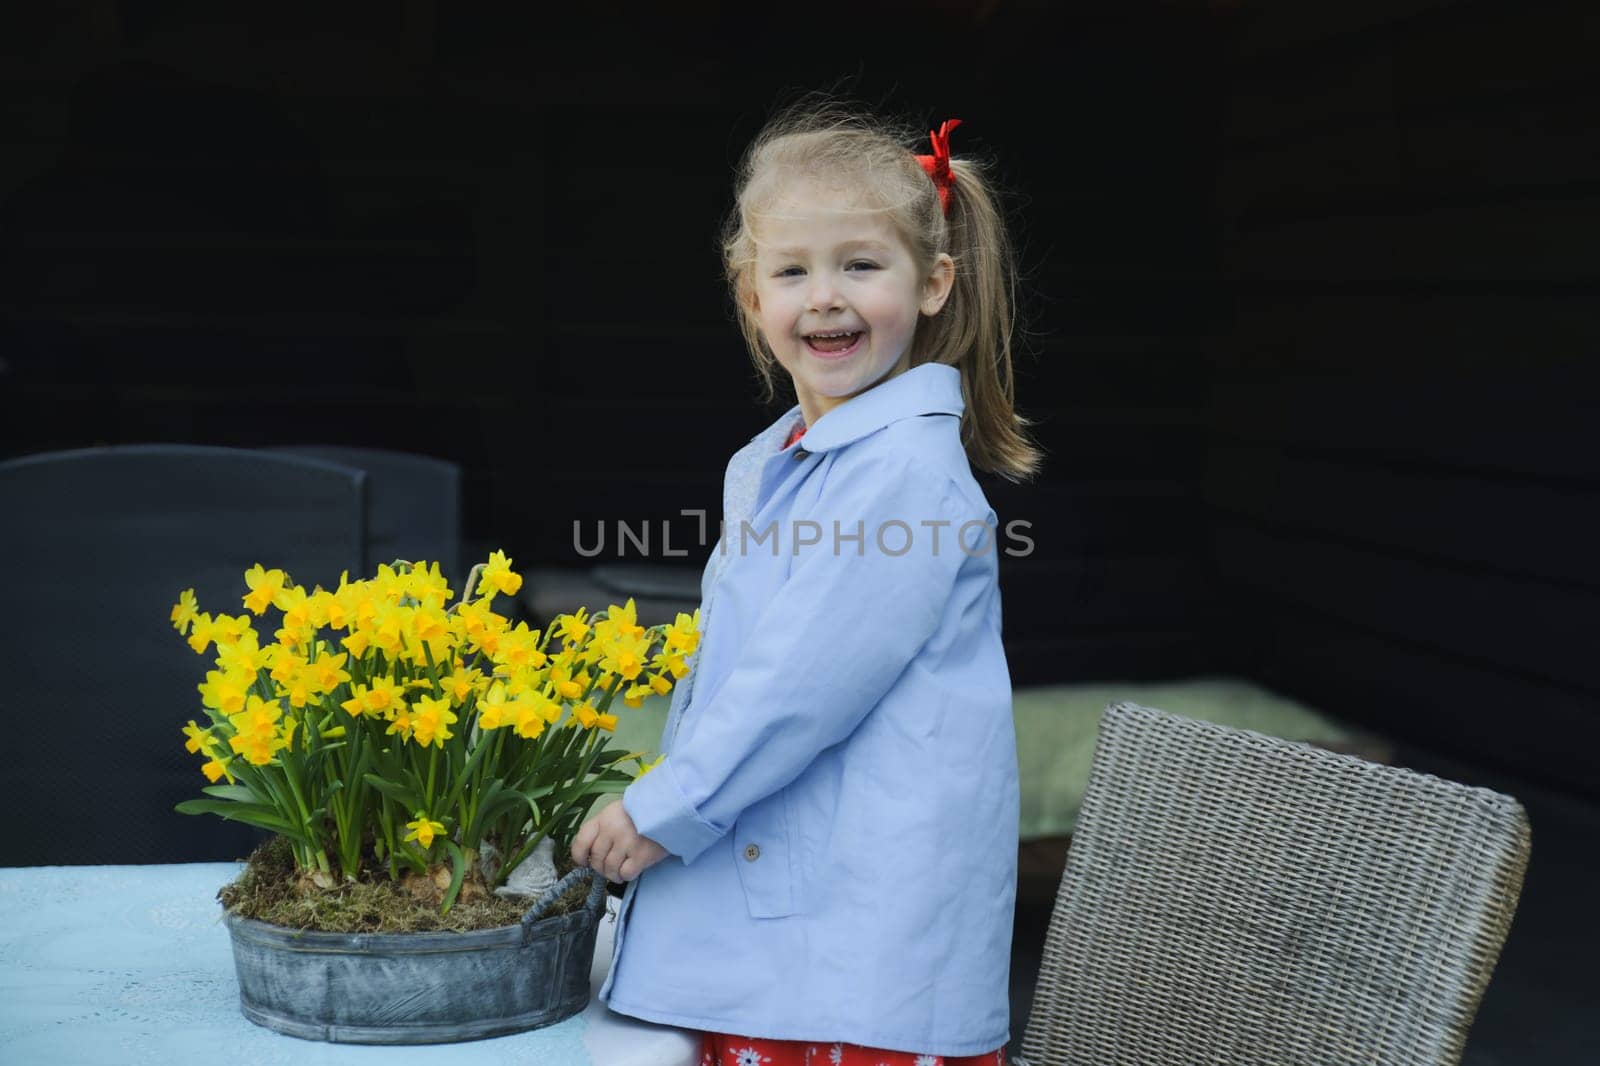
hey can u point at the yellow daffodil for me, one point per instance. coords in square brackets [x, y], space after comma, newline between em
[585, 715]
[216, 769]
[356, 642]
[375, 699]
[519, 649]
[201, 633]
[423, 830]
[387, 584]
[621, 621]
[426, 585]
[231, 629]
[382, 694]
[529, 722]
[225, 691]
[258, 737]
[567, 685]
[683, 634]
[184, 611]
[626, 655]
[400, 720]
[572, 628]
[389, 628]
[607, 721]
[299, 690]
[200, 741]
[494, 708]
[357, 602]
[283, 662]
[429, 625]
[296, 606]
[265, 586]
[328, 609]
[670, 662]
[499, 576]
[462, 683]
[244, 656]
[431, 720]
[328, 672]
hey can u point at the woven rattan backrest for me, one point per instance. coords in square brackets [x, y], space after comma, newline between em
[1230, 897]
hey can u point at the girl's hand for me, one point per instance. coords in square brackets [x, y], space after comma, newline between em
[609, 843]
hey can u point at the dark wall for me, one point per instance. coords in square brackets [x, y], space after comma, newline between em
[1305, 293]
[1402, 479]
[492, 238]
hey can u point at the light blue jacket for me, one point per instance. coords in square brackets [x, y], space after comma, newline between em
[840, 780]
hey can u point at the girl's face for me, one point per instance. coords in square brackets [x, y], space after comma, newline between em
[837, 294]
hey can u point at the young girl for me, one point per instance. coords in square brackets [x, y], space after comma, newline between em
[823, 866]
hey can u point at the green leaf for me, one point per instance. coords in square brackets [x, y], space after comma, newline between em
[458, 862]
[602, 786]
[464, 773]
[237, 793]
[503, 803]
[410, 798]
[259, 815]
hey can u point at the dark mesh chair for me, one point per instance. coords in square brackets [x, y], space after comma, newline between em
[95, 546]
[413, 505]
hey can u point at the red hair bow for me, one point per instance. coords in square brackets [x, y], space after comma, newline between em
[938, 164]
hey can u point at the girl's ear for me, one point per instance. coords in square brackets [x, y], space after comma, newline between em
[936, 287]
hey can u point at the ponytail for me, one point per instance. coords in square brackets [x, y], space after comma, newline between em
[973, 332]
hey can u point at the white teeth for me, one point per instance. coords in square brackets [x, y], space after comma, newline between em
[836, 333]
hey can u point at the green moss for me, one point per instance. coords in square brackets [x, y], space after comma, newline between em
[271, 890]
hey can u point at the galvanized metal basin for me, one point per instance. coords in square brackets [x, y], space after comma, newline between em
[419, 988]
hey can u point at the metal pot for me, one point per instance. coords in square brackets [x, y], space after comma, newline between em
[420, 988]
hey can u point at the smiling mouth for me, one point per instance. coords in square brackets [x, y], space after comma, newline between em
[833, 343]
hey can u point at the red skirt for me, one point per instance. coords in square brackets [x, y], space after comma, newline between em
[720, 1049]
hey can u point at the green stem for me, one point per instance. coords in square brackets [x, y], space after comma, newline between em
[433, 763]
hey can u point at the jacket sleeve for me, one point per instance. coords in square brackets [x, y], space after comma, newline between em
[823, 651]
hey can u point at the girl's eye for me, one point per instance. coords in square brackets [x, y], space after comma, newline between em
[865, 264]
[790, 272]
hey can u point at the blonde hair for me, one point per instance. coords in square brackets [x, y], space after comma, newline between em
[822, 140]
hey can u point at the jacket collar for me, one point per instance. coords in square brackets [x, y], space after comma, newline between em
[929, 389]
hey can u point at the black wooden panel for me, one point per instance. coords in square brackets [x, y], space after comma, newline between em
[1087, 593]
[1132, 655]
[1334, 170]
[1525, 419]
[1089, 369]
[1524, 627]
[1102, 517]
[1283, 97]
[1449, 330]
[1272, 37]
[1507, 526]
[1526, 235]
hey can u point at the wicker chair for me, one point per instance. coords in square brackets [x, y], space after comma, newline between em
[1230, 897]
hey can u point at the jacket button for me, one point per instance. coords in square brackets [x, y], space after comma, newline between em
[752, 853]
[800, 455]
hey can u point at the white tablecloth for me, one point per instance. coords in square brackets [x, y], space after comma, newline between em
[125, 965]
